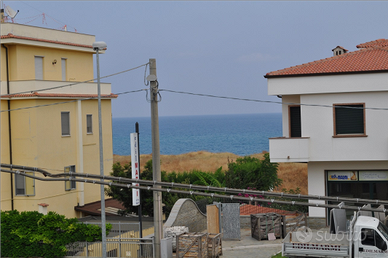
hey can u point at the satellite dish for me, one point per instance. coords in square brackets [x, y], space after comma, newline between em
[10, 12]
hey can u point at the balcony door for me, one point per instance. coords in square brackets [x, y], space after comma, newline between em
[295, 121]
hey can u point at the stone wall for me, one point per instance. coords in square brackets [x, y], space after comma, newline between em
[186, 213]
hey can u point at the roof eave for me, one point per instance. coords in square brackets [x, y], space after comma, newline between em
[267, 76]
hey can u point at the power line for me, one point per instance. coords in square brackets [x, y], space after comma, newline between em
[266, 101]
[65, 102]
[76, 83]
[211, 96]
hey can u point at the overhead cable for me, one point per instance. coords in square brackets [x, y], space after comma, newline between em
[266, 101]
[76, 83]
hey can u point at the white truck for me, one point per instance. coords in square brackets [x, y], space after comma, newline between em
[365, 237]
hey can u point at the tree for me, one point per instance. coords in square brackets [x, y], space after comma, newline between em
[32, 234]
[249, 172]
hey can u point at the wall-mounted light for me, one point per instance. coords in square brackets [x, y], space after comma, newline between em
[55, 61]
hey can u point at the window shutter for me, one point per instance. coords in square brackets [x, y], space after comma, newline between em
[30, 185]
[63, 64]
[295, 122]
[38, 68]
[349, 120]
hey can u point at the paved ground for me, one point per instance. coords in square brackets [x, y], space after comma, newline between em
[249, 247]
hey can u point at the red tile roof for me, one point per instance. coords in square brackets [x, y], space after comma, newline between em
[372, 57]
[375, 43]
[249, 209]
[58, 95]
[10, 35]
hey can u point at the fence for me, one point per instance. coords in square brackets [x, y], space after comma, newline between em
[123, 241]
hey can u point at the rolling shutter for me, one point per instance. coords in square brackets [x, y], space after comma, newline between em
[349, 120]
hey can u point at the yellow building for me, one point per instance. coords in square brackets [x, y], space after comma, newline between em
[40, 67]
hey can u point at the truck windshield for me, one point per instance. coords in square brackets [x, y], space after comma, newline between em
[383, 229]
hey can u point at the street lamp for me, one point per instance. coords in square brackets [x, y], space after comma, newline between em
[97, 46]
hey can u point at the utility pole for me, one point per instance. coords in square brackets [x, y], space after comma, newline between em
[97, 46]
[158, 222]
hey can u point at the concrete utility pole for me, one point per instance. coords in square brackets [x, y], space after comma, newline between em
[97, 46]
[158, 222]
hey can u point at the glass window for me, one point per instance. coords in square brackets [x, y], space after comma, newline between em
[70, 185]
[89, 124]
[24, 185]
[349, 119]
[295, 122]
[65, 122]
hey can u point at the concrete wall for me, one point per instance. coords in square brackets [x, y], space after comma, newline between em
[186, 213]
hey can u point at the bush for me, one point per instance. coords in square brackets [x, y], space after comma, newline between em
[195, 177]
[249, 172]
[32, 234]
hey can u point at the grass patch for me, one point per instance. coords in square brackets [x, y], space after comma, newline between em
[279, 255]
[294, 175]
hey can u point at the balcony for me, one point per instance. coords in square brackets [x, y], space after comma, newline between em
[57, 87]
[284, 149]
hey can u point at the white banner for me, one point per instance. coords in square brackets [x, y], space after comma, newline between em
[373, 175]
[135, 168]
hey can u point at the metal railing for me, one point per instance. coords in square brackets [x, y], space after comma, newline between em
[123, 241]
[124, 247]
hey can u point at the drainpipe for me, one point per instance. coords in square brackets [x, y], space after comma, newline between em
[9, 125]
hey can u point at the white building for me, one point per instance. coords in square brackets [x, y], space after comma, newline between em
[335, 118]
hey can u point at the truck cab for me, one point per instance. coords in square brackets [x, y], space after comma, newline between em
[370, 238]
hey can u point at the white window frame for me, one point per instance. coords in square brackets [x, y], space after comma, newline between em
[63, 132]
[70, 185]
[89, 124]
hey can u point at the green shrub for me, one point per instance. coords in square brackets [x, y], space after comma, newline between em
[249, 172]
[32, 234]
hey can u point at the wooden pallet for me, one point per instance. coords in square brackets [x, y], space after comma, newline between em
[214, 245]
[264, 223]
[191, 245]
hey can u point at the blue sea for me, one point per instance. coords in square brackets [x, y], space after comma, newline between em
[242, 134]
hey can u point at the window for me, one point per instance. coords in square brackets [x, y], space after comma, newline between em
[349, 119]
[63, 65]
[89, 124]
[371, 237]
[24, 185]
[65, 123]
[295, 121]
[69, 185]
[38, 68]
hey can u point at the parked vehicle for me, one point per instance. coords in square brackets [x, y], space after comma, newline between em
[365, 237]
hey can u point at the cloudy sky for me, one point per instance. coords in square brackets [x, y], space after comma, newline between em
[220, 48]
